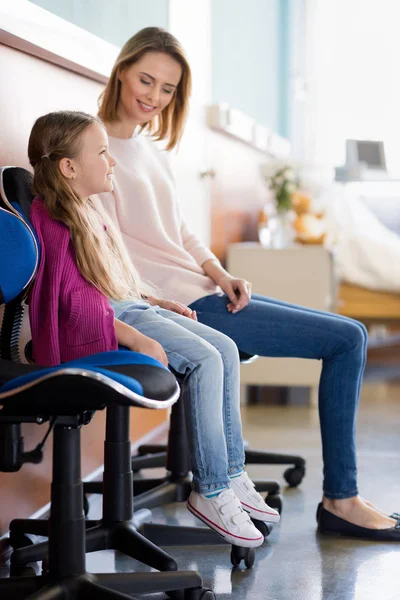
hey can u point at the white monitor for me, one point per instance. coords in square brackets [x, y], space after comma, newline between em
[365, 155]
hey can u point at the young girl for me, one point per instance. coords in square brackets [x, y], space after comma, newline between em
[148, 92]
[83, 265]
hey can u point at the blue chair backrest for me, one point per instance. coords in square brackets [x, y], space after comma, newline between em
[19, 251]
[19, 259]
[18, 256]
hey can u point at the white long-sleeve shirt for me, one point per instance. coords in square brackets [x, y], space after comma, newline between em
[144, 206]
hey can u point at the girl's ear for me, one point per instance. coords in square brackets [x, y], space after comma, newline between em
[67, 168]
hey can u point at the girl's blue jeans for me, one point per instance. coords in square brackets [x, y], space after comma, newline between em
[209, 363]
[268, 327]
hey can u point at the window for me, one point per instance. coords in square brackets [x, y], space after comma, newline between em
[353, 80]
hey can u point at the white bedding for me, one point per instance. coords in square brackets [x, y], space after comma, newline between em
[367, 251]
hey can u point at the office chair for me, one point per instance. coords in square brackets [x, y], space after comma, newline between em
[113, 531]
[67, 396]
[176, 485]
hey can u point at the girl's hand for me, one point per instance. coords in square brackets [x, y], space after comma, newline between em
[146, 345]
[238, 292]
[177, 307]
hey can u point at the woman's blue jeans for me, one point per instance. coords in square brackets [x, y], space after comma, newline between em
[268, 327]
[209, 363]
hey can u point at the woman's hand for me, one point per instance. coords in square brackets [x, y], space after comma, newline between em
[237, 290]
[176, 307]
[145, 345]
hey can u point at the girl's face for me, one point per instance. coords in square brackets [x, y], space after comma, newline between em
[91, 171]
[148, 86]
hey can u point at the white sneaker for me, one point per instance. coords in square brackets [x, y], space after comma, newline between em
[252, 502]
[225, 515]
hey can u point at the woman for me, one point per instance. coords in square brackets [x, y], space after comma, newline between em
[148, 93]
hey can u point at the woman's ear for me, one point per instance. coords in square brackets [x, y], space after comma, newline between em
[67, 168]
[120, 72]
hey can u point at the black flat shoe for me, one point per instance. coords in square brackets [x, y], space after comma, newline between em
[394, 515]
[330, 524]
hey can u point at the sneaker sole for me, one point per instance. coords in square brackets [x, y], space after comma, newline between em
[260, 515]
[236, 540]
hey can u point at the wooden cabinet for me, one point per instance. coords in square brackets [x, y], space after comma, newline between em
[302, 275]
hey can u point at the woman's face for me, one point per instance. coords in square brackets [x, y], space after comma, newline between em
[148, 86]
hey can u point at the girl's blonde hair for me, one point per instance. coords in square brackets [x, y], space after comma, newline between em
[100, 252]
[170, 123]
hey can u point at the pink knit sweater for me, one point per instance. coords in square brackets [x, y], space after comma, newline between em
[145, 208]
[69, 317]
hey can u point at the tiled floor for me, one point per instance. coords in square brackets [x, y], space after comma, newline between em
[295, 563]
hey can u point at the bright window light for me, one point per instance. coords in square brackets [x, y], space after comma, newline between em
[354, 78]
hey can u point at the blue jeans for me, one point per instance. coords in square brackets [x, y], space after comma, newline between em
[268, 327]
[209, 363]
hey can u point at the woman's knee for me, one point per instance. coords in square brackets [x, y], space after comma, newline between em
[363, 329]
[355, 334]
[355, 323]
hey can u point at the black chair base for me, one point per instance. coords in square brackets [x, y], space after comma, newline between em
[64, 569]
[122, 536]
[107, 586]
[117, 530]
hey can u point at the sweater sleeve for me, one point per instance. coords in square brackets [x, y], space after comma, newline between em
[44, 299]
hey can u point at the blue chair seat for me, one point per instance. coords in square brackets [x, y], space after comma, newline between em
[120, 377]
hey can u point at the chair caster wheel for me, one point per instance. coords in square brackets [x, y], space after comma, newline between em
[238, 553]
[22, 571]
[264, 528]
[19, 540]
[294, 475]
[85, 505]
[275, 501]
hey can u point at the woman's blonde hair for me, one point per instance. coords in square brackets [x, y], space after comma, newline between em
[100, 252]
[170, 123]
